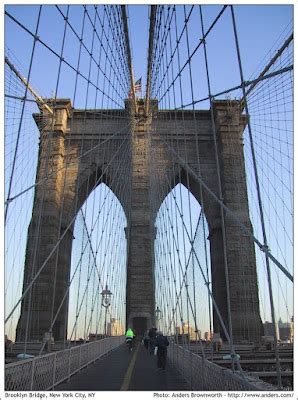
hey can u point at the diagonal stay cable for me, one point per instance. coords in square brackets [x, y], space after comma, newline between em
[68, 163]
[83, 44]
[245, 84]
[78, 264]
[271, 62]
[128, 53]
[58, 56]
[163, 42]
[193, 251]
[260, 203]
[230, 213]
[196, 49]
[55, 247]
[184, 280]
[150, 58]
[23, 109]
[68, 287]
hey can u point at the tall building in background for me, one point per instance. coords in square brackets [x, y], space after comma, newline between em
[187, 329]
[284, 330]
[115, 328]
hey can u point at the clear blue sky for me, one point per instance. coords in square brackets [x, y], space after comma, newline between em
[259, 26]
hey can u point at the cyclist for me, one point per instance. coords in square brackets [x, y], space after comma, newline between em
[129, 337]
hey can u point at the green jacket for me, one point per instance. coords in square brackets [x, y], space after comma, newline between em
[129, 333]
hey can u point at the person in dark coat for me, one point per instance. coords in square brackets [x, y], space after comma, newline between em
[162, 344]
[152, 336]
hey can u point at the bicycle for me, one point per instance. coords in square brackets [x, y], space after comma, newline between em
[129, 343]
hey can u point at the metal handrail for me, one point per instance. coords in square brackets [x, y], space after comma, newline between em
[205, 375]
[47, 371]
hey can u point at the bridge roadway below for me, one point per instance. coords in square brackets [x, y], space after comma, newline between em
[124, 370]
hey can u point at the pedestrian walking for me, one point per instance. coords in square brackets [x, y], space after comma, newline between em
[145, 340]
[152, 337]
[162, 344]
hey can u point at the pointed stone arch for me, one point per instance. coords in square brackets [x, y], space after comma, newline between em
[92, 147]
[101, 207]
[178, 130]
[81, 145]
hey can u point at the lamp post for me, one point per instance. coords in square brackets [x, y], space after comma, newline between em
[106, 302]
[158, 314]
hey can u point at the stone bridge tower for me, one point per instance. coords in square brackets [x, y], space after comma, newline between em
[57, 202]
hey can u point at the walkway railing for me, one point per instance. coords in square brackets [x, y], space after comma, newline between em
[204, 375]
[47, 371]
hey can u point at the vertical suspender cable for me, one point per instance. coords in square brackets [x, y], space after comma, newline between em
[35, 39]
[150, 57]
[278, 367]
[128, 52]
[223, 227]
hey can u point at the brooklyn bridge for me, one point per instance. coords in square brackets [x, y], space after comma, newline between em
[148, 183]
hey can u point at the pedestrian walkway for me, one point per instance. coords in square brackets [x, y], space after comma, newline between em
[121, 370]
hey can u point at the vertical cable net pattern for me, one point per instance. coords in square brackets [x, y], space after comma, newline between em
[68, 171]
[98, 260]
[271, 115]
[18, 216]
[68, 178]
[184, 77]
[181, 246]
[183, 300]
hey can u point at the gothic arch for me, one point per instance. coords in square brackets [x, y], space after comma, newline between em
[147, 136]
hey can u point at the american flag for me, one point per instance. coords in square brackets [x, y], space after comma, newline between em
[137, 88]
[138, 85]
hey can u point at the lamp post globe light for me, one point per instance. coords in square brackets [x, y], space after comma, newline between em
[106, 302]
